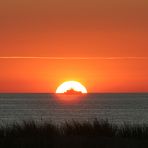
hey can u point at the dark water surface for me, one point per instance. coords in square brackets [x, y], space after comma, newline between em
[117, 108]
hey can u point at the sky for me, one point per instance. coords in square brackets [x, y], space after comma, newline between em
[102, 44]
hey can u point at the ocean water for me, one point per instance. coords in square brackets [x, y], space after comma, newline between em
[117, 108]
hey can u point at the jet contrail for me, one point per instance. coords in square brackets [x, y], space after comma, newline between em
[75, 58]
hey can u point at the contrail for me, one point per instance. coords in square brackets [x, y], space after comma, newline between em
[75, 58]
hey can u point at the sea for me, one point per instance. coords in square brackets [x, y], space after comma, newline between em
[116, 108]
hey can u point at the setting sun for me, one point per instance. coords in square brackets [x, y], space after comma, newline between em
[71, 87]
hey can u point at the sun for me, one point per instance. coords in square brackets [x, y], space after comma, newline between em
[72, 87]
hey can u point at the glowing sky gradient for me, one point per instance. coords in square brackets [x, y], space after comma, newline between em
[103, 44]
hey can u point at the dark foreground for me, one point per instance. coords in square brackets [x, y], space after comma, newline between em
[99, 134]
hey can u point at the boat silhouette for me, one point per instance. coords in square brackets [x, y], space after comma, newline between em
[72, 92]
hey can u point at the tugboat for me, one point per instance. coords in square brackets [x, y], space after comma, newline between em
[72, 92]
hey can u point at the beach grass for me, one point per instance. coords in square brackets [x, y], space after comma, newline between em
[73, 134]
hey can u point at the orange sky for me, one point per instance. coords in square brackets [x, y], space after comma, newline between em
[76, 28]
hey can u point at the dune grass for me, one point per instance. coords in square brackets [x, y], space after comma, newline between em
[73, 134]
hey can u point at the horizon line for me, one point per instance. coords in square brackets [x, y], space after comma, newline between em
[73, 58]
